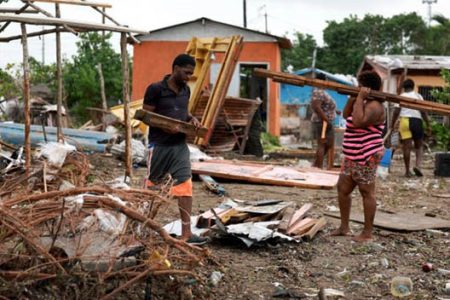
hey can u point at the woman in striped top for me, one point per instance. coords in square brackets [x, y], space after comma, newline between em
[363, 149]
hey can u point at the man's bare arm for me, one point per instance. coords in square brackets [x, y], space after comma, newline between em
[148, 107]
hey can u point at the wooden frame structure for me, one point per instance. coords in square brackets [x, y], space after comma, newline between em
[203, 50]
[8, 16]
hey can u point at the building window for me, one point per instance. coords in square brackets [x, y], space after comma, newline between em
[425, 91]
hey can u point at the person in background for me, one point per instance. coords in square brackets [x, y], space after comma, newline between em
[363, 149]
[411, 128]
[323, 110]
[168, 151]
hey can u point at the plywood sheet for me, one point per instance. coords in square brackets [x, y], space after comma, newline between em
[402, 221]
[267, 174]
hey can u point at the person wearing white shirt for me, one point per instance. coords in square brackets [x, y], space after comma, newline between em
[411, 128]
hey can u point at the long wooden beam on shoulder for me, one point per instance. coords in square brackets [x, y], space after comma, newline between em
[426, 106]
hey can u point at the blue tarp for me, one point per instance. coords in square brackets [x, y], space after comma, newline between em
[83, 140]
[291, 94]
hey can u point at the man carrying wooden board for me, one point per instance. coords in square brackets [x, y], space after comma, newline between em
[168, 151]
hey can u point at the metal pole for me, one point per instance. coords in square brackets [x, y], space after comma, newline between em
[59, 134]
[245, 14]
[265, 18]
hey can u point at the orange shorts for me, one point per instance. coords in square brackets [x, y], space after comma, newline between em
[183, 189]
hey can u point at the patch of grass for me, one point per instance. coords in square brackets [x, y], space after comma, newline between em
[270, 142]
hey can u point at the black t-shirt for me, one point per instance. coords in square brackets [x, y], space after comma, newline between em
[170, 104]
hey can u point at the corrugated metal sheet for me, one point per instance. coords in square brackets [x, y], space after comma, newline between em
[411, 62]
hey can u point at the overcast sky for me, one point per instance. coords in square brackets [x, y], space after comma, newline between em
[283, 17]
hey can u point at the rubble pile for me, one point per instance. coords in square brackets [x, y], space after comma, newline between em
[60, 236]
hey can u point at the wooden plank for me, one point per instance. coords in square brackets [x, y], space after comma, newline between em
[207, 219]
[17, 11]
[60, 22]
[58, 15]
[402, 221]
[300, 214]
[301, 227]
[59, 80]
[163, 122]
[279, 175]
[77, 2]
[287, 216]
[126, 102]
[320, 224]
[422, 105]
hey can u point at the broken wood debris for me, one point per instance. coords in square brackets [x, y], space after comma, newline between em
[258, 223]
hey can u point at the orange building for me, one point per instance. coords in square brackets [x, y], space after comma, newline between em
[153, 57]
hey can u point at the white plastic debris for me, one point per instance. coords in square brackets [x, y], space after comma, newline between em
[66, 185]
[139, 152]
[109, 223]
[215, 277]
[332, 208]
[122, 182]
[55, 153]
[87, 223]
[197, 155]
[75, 203]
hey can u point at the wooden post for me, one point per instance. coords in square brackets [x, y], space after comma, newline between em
[126, 102]
[102, 86]
[26, 98]
[59, 95]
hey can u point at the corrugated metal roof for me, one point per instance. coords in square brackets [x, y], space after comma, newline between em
[418, 62]
[284, 42]
[333, 77]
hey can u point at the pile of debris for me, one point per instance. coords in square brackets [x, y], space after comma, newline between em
[256, 222]
[60, 237]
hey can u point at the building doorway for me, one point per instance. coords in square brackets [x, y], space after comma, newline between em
[253, 87]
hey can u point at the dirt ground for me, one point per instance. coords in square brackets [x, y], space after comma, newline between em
[358, 270]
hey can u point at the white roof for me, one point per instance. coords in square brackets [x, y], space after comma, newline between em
[410, 61]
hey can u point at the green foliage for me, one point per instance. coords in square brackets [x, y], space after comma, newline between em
[444, 95]
[441, 133]
[41, 73]
[9, 86]
[438, 37]
[269, 142]
[81, 79]
[348, 41]
[301, 55]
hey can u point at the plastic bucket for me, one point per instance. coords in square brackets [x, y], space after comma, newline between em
[386, 159]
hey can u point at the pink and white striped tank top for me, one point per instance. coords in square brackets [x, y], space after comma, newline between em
[361, 143]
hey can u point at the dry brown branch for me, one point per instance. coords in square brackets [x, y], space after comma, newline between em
[127, 284]
[16, 225]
